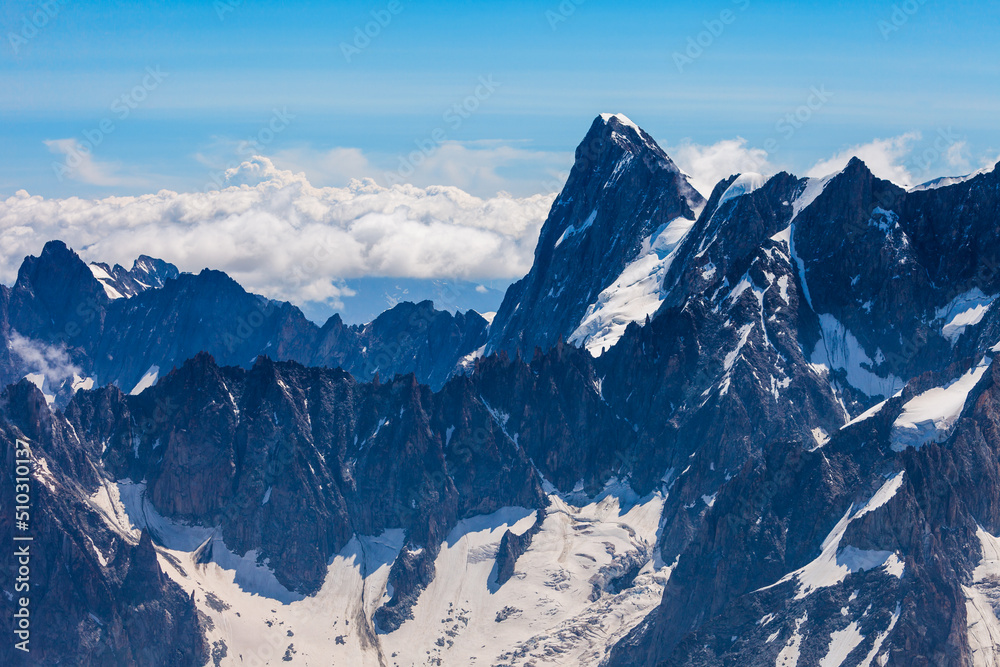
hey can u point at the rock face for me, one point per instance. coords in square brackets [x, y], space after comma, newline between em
[622, 189]
[512, 546]
[146, 273]
[117, 326]
[341, 456]
[797, 375]
[97, 597]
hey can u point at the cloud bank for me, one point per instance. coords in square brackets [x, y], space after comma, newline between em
[906, 160]
[707, 165]
[481, 167]
[886, 158]
[278, 235]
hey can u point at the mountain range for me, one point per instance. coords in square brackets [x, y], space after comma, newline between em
[761, 428]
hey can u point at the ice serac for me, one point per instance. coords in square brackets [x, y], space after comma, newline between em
[621, 190]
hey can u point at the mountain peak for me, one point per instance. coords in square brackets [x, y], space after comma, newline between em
[620, 119]
[58, 275]
[621, 189]
[856, 164]
[56, 248]
[146, 272]
[627, 138]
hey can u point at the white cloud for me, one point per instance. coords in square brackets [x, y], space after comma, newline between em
[884, 157]
[336, 166]
[38, 357]
[708, 164]
[484, 168]
[278, 235]
[79, 164]
[955, 155]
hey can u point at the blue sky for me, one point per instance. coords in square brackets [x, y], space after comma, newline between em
[891, 69]
[124, 98]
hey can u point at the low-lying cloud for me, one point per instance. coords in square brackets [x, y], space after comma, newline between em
[886, 158]
[907, 159]
[38, 357]
[278, 235]
[482, 168]
[706, 165]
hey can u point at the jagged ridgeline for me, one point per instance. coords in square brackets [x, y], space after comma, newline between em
[759, 429]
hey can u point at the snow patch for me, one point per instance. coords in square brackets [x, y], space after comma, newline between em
[946, 181]
[820, 436]
[784, 236]
[789, 655]
[965, 310]
[468, 362]
[633, 295]
[743, 185]
[837, 348]
[79, 383]
[621, 118]
[147, 381]
[833, 564]
[573, 229]
[813, 189]
[731, 357]
[38, 379]
[982, 603]
[558, 605]
[331, 627]
[842, 642]
[879, 639]
[107, 282]
[867, 414]
[43, 474]
[930, 416]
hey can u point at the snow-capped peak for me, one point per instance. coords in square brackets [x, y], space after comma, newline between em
[743, 185]
[945, 181]
[621, 118]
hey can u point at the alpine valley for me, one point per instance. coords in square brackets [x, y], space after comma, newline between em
[757, 429]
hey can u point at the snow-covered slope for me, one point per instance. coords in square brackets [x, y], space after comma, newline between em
[589, 576]
[930, 416]
[635, 294]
